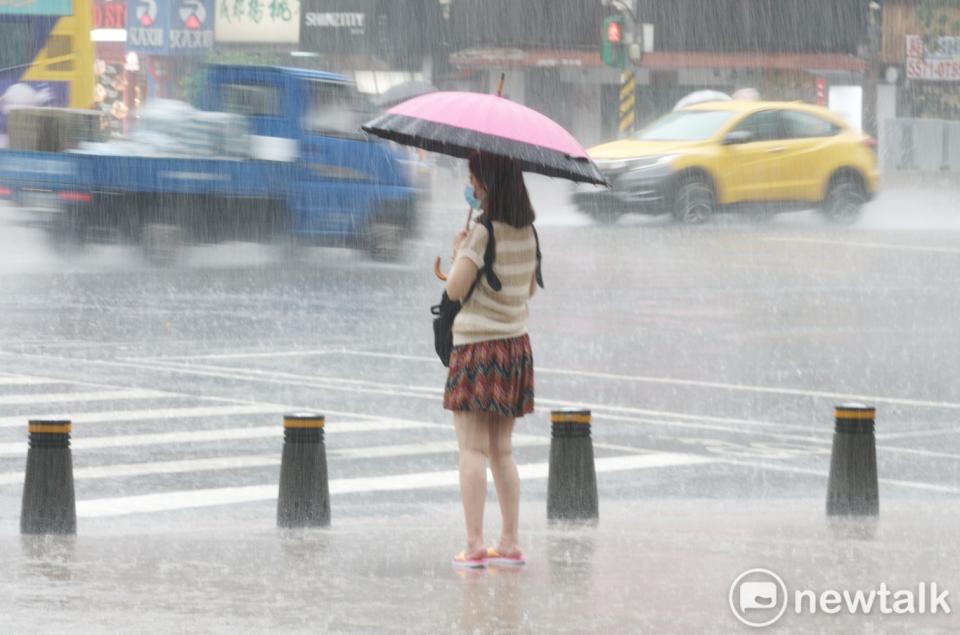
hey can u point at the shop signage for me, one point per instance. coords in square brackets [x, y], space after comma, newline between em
[258, 21]
[939, 62]
[169, 27]
[110, 14]
[344, 27]
[36, 7]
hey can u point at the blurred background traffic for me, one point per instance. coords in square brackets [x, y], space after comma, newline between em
[138, 79]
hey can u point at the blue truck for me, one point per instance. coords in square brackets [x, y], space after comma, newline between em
[308, 174]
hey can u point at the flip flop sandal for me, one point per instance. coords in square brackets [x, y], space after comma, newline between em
[494, 557]
[462, 561]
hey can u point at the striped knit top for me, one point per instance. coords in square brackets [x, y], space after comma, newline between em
[489, 314]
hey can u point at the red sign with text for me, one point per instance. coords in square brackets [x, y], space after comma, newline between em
[110, 14]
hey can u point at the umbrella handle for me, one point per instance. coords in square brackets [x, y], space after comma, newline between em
[436, 270]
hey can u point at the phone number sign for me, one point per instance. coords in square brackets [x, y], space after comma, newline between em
[940, 64]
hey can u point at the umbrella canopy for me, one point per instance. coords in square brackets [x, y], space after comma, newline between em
[457, 123]
[402, 92]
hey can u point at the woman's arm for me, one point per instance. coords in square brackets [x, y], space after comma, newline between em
[460, 278]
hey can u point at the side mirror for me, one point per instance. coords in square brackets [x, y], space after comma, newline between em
[737, 137]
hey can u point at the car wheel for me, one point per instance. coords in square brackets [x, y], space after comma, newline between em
[162, 244]
[694, 202]
[66, 235]
[605, 215]
[844, 201]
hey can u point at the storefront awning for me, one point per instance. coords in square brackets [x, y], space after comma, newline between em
[535, 58]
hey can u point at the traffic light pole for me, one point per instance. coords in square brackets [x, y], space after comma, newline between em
[628, 102]
[632, 51]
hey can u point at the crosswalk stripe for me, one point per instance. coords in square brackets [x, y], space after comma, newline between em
[23, 380]
[106, 395]
[191, 499]
[150, 415]
[162, 467]
[220, 434]
[261, 460]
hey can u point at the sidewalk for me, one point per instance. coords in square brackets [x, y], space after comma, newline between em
[655, 566]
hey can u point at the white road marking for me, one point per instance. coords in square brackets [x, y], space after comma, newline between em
[189, 499]
[160, 467]
[221, 434]
[227, 463]
[932, 487]
[819, 394]
[867, 245]
[151, 415]
[264, 460]
[432, 393]
[251, 355]
[917, 434]
[23, 380]
[66, 397]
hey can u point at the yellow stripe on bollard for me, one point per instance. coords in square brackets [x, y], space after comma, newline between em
[570, 417]
[855, 415]
[303, 424]
[48, 428]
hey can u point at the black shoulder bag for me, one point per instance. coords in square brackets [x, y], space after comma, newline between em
[445, 312]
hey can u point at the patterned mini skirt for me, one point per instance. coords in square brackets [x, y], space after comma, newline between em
[491, 376]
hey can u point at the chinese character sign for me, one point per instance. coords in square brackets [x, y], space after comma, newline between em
[268, 21]
[938, 62]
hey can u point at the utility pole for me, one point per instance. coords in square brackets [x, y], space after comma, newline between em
[872, 67]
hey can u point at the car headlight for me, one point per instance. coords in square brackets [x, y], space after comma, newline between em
[629, 165]
[650, 162]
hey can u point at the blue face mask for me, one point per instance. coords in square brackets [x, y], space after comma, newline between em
[471, 198]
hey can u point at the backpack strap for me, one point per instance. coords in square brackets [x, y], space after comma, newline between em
[489, 255]
[539, 275]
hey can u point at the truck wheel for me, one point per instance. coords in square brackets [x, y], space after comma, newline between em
[385, 242]
[162, 244]
[694, 203]
[844, 201]
[66, 236]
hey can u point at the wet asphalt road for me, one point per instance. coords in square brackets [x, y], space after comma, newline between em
[711, 358]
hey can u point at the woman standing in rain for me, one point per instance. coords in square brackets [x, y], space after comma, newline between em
[490, 381]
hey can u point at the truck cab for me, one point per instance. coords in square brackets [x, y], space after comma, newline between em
[272, 153]
[347, 186]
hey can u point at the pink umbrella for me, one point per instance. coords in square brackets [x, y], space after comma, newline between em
[457, 123]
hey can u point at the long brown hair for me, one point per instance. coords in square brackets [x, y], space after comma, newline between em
[507, 199]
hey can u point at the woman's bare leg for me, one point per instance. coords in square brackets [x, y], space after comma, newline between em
[506, 479]
[473, 440]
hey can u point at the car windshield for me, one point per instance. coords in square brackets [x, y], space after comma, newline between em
[686, 125]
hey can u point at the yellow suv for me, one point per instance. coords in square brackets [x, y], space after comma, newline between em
[777, 156]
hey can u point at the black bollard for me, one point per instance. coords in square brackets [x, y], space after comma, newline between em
[49, 505]
[304, 499]
[572, 479]
[852, 488]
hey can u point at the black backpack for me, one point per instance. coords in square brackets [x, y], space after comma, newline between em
[445, 312]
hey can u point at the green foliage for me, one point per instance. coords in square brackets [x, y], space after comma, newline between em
[939, 18]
